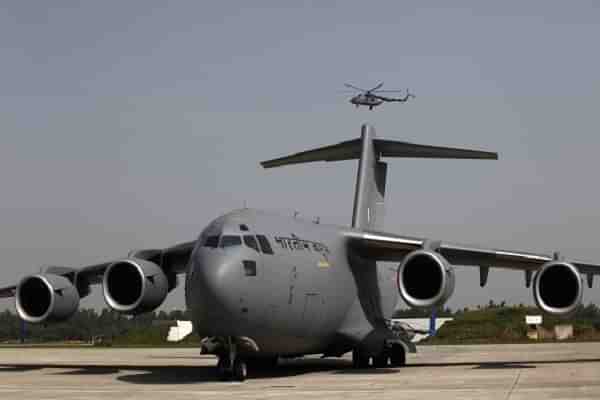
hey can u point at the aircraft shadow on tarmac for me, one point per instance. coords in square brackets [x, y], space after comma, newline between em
[162, 374]
[154, 374]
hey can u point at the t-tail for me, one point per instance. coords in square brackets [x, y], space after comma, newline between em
[369, 195]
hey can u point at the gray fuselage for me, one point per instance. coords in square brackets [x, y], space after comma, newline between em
[293, 301]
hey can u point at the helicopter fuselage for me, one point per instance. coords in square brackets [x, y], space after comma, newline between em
[366, 100]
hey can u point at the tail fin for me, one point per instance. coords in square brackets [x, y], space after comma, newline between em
[371, 177]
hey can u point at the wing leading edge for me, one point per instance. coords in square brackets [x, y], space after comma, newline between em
[380, 246]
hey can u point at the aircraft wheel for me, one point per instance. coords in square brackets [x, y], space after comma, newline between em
[222, 368]
[381, 360]
[359, 359]
[397, 356]
[240, 370]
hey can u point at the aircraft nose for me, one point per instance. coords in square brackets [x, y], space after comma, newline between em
[214, 287]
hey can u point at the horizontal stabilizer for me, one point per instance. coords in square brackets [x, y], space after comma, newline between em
[348, 150]
[351, 150]
[392, 148]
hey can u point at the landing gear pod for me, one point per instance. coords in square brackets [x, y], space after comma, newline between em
[46, 298]
[425, 279]
[134, 286]
[558, 288]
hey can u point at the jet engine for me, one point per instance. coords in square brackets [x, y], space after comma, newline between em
[557, 288]
[134, 286]
[46, 298]
[425, 279]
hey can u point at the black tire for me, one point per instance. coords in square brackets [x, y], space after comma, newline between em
[240, 370]
[397, 356]
[381, 360]
[359, 359]
[222, 370]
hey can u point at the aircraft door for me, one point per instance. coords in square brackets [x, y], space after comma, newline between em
[254, 256]
[265, 272]
[252, 277]
[312, 314]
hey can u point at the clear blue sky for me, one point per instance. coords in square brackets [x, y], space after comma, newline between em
[131, 124]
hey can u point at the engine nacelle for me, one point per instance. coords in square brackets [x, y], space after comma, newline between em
[558, 288]
[46, 298]
[425, 279]
[134, 286]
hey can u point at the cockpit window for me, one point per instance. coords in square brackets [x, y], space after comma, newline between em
[264, 244]
[250, 241]
[212, 241]
[229, 241]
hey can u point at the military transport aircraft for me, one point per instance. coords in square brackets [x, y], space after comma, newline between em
[261, 286]
[372, 97]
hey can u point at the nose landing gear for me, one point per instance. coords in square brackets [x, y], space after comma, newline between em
[230, 365]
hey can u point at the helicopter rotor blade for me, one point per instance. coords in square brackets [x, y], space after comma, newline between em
[354, 87]
[375, 88]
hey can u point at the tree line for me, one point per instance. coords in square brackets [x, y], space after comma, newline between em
[109, 326]
[87, 325]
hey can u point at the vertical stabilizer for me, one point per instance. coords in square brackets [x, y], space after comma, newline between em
[369, 194]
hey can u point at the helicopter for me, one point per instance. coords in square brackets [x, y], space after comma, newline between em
[371, 98]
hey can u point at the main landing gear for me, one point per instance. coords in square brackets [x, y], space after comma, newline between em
[394, 356]
[397, 356]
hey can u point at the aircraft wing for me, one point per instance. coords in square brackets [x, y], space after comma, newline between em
[172, 260]
[380, 246]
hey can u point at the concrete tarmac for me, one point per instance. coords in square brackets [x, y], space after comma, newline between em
[538, 371]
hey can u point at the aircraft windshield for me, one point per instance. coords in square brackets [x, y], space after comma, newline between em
[212, 241]
[229, 241]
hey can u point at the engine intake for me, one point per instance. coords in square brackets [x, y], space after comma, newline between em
[425, 279]
[46, 298]
[557, 288]
[134, 286]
